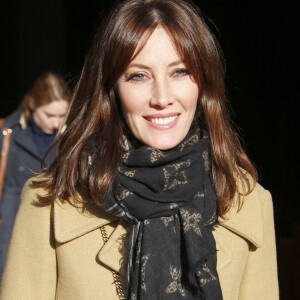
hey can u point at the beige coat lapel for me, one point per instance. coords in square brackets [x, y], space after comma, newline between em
[246, 222]
[111, 254]
[71, 222]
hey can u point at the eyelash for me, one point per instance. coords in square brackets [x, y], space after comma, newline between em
[139, 76]
[182, 72]
[135, 77]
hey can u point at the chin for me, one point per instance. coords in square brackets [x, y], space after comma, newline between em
[163, 145]
[49, 132]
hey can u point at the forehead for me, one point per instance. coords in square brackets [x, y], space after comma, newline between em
[159, 43]
[54, 107]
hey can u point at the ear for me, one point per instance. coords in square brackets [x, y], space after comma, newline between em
[30, 102]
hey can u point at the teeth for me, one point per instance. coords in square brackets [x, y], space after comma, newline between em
[163, 121]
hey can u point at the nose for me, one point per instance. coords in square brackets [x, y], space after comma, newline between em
[162, 94]
[56, 123]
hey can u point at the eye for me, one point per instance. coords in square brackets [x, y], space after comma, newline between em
[49, 115]
[182, 72]
[136, 77]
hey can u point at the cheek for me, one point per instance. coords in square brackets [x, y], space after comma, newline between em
[37, 116]
[44, 119]
[130, 103]
[45, 122]
[189, 97]
[128, 107]
[194, 103]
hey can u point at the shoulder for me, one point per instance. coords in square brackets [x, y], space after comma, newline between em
[249, 192]
[13, 119]
[31, 191]
[250, 197]
[257, 193]
[248, 217]
[30, 207]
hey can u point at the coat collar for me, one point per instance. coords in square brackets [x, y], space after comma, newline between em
[73, 221]
[24, 138]
[22, 121]
[17, 122]
[247, 221]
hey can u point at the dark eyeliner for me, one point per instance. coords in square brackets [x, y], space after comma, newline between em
[135, 76]
[186, 71]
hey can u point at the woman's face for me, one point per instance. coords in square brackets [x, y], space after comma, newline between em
[48, 117]
[158, 95]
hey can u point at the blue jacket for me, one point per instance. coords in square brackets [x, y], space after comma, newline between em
[23, 158]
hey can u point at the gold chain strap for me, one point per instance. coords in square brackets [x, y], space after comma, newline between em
[115, 274]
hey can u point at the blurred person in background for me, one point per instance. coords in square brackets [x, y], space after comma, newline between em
[34, 126]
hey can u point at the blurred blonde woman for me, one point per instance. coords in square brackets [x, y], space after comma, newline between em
[34, 126]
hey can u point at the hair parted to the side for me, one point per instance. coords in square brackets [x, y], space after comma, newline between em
[48, 87]
[90, 147]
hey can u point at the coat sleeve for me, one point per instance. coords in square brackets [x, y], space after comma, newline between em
[30, 270]
[261, 266]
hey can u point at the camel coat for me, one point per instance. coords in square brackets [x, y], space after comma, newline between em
[57, 252]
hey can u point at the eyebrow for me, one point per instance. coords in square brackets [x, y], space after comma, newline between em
[141, 66]
[53, 115]
[176, 63]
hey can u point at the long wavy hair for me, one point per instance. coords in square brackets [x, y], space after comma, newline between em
[90, 147]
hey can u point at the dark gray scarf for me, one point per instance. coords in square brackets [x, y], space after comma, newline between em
[169, 198]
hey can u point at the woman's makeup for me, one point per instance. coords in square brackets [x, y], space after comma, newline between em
[162, 121]
[158, 94]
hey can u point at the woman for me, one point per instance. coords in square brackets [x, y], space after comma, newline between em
[34, 127]
[150, 182]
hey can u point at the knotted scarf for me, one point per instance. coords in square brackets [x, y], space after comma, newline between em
[170, 201]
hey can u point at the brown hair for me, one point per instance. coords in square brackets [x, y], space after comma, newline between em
[48, 87]
[94, 123]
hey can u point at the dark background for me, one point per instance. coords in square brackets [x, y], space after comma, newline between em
[261, 47]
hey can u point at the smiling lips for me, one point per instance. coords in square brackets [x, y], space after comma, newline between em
[162, 121]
